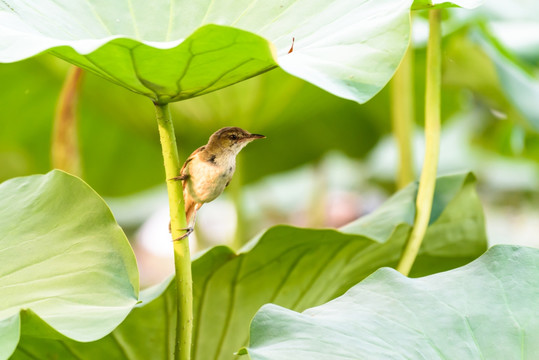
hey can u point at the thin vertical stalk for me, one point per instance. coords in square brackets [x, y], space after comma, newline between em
[402, 116]
[427, 181]
[182, 258]
[65, 154]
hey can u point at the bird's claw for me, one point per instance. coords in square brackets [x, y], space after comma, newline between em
[180, 177]
[188, 231]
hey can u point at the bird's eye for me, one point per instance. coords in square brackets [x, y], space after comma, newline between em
[233, 137]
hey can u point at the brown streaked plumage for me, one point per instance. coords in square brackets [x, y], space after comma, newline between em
[208, 170]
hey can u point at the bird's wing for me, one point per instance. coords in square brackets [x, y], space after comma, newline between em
[184, 172]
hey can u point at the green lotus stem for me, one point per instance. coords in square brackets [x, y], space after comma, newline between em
[65, 154]
[402, 116]
[182, 258]
[427, 181]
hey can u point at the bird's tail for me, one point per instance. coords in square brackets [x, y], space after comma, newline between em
[190, 210]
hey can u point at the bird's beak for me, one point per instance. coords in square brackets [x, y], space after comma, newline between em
[256, 136]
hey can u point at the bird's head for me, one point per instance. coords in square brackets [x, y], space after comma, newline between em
[232, 139]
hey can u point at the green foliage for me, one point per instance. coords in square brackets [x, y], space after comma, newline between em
[436, 4]
[292, 267]
[68, 274]
[483, 310]
[120, 149]
[506, 37]
[495, 55]
[519, 84]
[350, 48]
[67, 267]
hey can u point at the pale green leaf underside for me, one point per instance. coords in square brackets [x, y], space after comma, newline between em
[170, 50]
[65, 261]
[484, 310]
[292, 267]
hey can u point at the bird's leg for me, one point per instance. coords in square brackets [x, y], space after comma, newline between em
[189, 230]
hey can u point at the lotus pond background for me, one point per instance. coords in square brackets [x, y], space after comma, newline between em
[326, 162]
[320, 148]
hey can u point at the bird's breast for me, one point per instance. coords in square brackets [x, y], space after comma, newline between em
[207, 180]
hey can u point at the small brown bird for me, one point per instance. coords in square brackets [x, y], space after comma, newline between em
[208, 170]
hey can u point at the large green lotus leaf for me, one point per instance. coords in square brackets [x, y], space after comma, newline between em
[519, 86]
[517, 80]
[468, 66]
[485, 310]
[172, 50]
[292, 267]
[147, 333]
[508, 35]
[66, 265]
